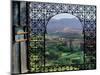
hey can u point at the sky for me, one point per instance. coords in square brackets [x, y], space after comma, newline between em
[64, 15]
[64, 22]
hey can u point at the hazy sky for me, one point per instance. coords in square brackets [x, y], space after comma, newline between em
[64, 22]
[64, 15]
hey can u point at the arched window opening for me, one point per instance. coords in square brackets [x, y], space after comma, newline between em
[64, 40]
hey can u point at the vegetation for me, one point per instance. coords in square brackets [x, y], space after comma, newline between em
[59, 53]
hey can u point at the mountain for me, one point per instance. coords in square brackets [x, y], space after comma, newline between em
[64, 25]
[66, 35]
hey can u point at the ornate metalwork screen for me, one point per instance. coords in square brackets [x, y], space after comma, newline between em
[33, 18]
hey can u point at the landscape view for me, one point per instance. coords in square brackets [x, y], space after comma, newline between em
[64, 40]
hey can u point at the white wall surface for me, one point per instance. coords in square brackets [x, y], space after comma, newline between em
[5, 38]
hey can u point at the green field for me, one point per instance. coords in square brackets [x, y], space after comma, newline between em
[59, 53]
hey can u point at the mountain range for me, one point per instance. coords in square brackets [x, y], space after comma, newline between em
[67, 28]
[64, 25]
